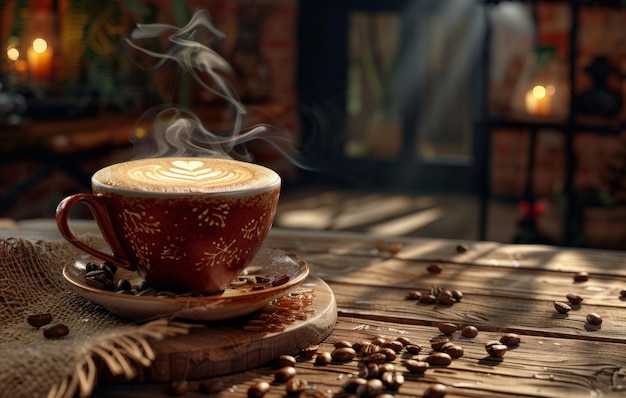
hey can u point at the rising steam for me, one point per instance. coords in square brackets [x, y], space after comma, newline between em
[176, 131]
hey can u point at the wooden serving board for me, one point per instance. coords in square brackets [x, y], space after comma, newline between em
[219, 348]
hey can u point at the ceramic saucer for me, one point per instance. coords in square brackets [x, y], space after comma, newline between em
[237, 300]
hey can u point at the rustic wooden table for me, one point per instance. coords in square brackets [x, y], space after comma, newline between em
[506, 289]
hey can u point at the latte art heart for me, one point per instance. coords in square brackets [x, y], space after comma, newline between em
[200, 177]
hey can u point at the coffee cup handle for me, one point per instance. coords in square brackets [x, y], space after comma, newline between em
[100, 214]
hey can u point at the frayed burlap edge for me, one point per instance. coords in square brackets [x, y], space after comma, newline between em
[117, 353]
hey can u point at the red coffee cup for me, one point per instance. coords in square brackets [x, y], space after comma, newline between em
[184, 224]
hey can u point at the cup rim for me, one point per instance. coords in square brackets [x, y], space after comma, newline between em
[276, 182]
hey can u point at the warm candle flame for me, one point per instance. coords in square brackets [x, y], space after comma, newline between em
[539, 92]
[13, 53]
[40, 45]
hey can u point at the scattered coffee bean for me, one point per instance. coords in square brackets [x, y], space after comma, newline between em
[392, 380]
[447, 327]
[284, 360]
[56, 331]
[404, 340]
[368, 370]
[387, 367]
[370, 389]
[574, 299]
[437, 342]
[439, 359]
[496, 349]
[394, 248]
[510, 339]
[413, 349]
[390, 354]
[285, 373]
[376, 357]
[581, 276]
[343, 354]
[622, 294]
[39, 320]
[416, 367]
[457, 294]
[296, 386]
[594, 319]
[179, 387]
[352, 384]
[561, 307]
[323, 358]
[469, 331]
[380, 245]
[368, 349]
[142, 285]
[211, 386]
[446, 298]
[342, 343]
[434, 268]
[435, 391]
[378, 340]
[462, 248]
[395, 345]
[258, 389]
[455, 351]
[309, 351]
[413, 295]
[428, 299]
[91, 266]
[109, 267]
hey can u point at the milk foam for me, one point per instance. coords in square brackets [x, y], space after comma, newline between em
[185, 175]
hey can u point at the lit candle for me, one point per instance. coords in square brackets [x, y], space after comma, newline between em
[539, 100]
[39, 58]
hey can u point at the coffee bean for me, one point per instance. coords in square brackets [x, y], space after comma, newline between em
[437, 342]
[296, 386]
[143, 285]
[395, 345]
[428, 299]
[413, 349]
[434, 268]
[258, 389]
[148, 292]
[91, 266]
[574, 299]
[462, 248]
[211, 386]
[447, 327]
[368, 370]
[284, 360]
[39, 320]
[469, 331]
[594, 319]
[386, 367]
[394, 248]
[446, 298]
[581, 276]
[111, 268]
[378, 340]
[309, 351]
[368, 349]
[439, 359]
[342, 343]
[377, 357]
[392, 380]
[179, 387]
[510, 339]
[380, 245]
[56, 331]
[122, 284]
[416, 367]
[561, 307]
[622, 294]
[413, 295]
[281, 280]
[496, 349]
[343, 354]
[370, 389]
[323, 358]
[435, 391]
[285, 373]
[455, 351]
[457, 294]
[352, 384]
[404, 340]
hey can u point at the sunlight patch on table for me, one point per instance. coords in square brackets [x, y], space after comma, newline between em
[319, 218]
[407, 224]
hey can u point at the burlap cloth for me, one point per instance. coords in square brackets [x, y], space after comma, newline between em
[31, 365]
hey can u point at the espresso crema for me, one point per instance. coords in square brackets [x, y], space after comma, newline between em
[185, 175]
